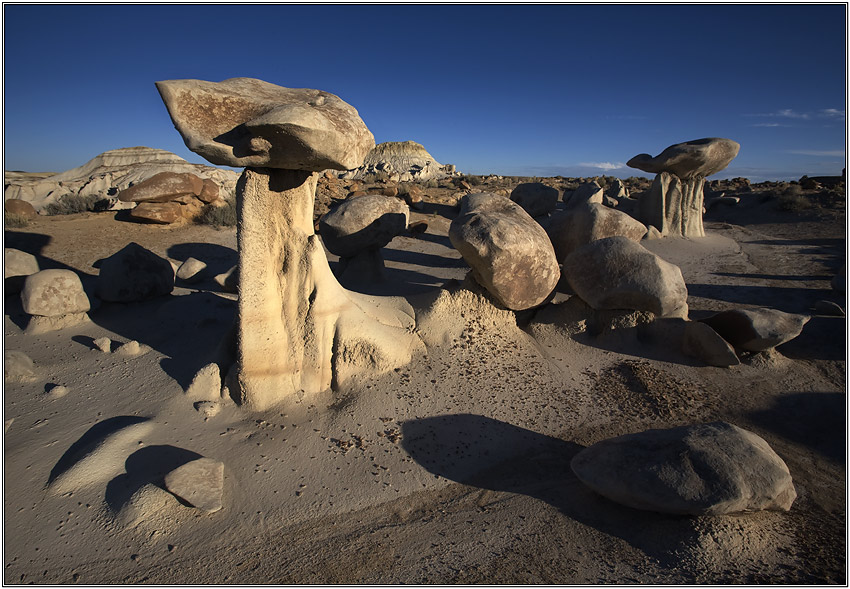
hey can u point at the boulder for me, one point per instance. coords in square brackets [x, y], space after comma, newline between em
[365, 222]
[702, 342]
[709, 469]
[509, 252]
[245, 122]
[617, 190]
[163, 187]
[617, 273]
[701, 157]
[199, 483]
[757, 330]
[16, 206]
[51, 293]
[159, 213]
[17, 265]
[535, 198]
[229, 281]
[577, 226]
[209, 191]
[134, 274]
[586, 193]
[191, 271]
[17, 366]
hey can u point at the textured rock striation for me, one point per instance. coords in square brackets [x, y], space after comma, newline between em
[408, 160]
[674, 203]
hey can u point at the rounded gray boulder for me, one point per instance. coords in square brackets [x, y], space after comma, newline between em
[535, 198]
[364, 222]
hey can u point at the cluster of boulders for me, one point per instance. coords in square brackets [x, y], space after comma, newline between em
[169, 197]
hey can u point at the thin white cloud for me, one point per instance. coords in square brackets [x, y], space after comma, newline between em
[790, 114]
[769, 125]
[819, 152]
[603, 165]
[832, 113]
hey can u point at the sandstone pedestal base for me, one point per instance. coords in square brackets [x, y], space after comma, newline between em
[674, 206]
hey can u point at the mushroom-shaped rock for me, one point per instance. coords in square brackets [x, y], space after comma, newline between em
[365, 222]
[701, 157]
[708, 469]
[298, 331]
[757, 330]
[535, 198]
[508, 251]
[577, 226]
[134, 274]
[674, 203]
[245, 122]
[617, 273]
[51, 293]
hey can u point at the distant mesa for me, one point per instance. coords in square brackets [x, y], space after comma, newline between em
[107, 174]
[408, 160]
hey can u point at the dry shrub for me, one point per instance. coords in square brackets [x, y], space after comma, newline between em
[218, 216]
[13, 221]
[793, 203]
[70, 204]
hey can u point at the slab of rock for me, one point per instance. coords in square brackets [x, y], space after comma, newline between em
[17, 366]
[757, 330]
[134, 274]
[17, 265]
[191, 271]
[163, 187]
[535, 198]
[708, 469]
[159, 213]
[229, 281]
[589, 192]
[199, 483]
[617, 273]
[245, 122]
[580, 225]
[509, 252]
[50, 293]
[209, 192]
[365, 222]
[702, 342]
[701, 157]
[16, 206]
[104, 344]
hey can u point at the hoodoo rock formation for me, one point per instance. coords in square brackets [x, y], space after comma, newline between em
[299, 331]
[675, 201]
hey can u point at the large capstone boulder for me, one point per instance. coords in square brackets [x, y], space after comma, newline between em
[617, 273]
[757, 330]
[535, 198]
[17, 265]
[52, 293]
[245, 122]
[163, 187]
[508, 251]
[708, 469]
[134, 274]
[362, 223]
[701, 157]
[577, 226]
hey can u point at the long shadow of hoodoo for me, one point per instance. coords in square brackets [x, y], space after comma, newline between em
[146, 466]
[491, 454]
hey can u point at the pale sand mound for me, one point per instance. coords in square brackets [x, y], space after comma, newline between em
[452, 469]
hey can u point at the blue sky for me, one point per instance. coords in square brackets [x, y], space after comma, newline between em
[571, 90]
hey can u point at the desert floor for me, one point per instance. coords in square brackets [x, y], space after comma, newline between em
[454, 469]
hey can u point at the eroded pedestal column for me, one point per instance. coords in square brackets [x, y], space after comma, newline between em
[674, 206]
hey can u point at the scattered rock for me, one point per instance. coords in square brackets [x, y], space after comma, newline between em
[617, 273]
[191, 271]
[509, 252]
[17, 366]
[104, 344]
[535, 198]
[581, 225]
[134, 274]
[199, 482]
[756, 330]
[132, 348]
[51, 293]
[208, 408]
[365, 222]
[206, 384]
[702, 342]
[229, 281]
[709, 469]
[829, 308]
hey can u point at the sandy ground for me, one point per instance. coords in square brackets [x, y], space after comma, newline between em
[454, 469]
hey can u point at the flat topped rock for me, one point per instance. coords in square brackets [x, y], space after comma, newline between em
[199, 483]
[701, 157]
[245, 122]
[707, 469]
